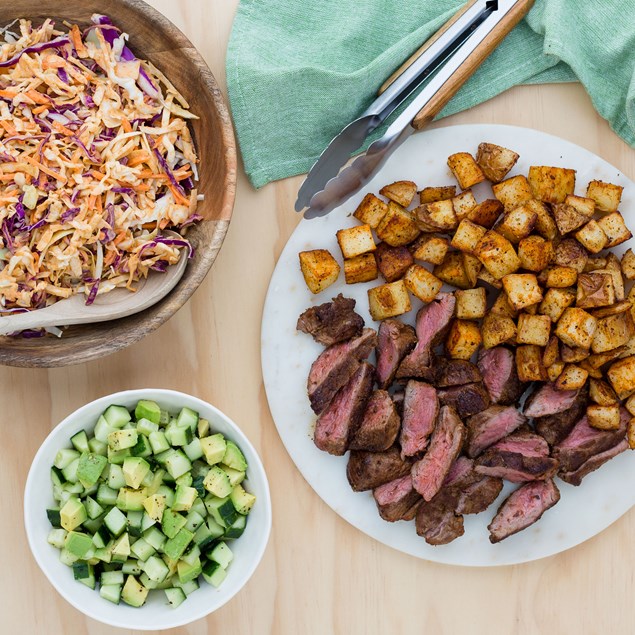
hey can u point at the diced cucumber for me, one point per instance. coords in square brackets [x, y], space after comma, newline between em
[187, 571]
[90, 580]
[117, 416]
[175, 596]
[57, 478]
[155, 538]
[142, 549]
[131, 567]
[168, 492]
[121, 548]
[214, 448]
[105, 554]
[147, 522]
[155, 569]
[102, 430]
[222, 510]
[237, 528]
[80, 441]
[194, 449]
[187, 417]
[222, 554]
[186, 587]
[177, 464]
[172, 522]
[197, 484]
[175, 547]
[204, 536]
[116, 521]
[118, 456]
[116, 479]
[56, 538]
[243, 501]
[213, 573]
[185, 479]
[217, 482]
[67, 558]
[142, 447]
[192, 554]
[165, 418]
[93, 508]
[64, 457]
[133, 592]
[199, 507]
[111, 577]
[146, 427]
[101, 536]
[73, 488]
[91, 525]
[234, 458]
[158, 442]
[70, 471]
[129, 499]
[110, 592]
[194, 521]
[81, 570]
[107, 496]
[134, 520]
[97, 447]
[54, 517]
[178, 435]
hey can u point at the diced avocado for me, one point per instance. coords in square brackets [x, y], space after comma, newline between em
[133, 592]
[172, 522]
[54, 517]
[121, 548]
[214, 448]
[93, 508]
[213, 573]
[222, 554]
[80, 441]
[243, 501]
[110, 592]
[149, 410]
[217, 482]
[175, 547]
[90, 468]
[175, 596]
[72, 514]
[130, 499]
[177, 464]
[155, 506]
[234, 458]
[155, 569]
[135, 469]
[202, 429]
[188, 417]
[115, 521]
[78, 543]
[184, 498]
[157, 481]
[117, 416]
[235, 476]
[168, 492]
[122, 439]
[187, 571]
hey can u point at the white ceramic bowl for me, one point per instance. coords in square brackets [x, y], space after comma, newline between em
[156, 614]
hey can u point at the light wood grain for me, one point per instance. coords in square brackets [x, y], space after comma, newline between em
[319, 575]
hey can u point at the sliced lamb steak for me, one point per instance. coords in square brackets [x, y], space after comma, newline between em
[461, 473]
[477, 497]
[429, 472]
[491, 425]
[368, 470]
[379, 426]
[396, 499]
[467, 400]
[420, 410]
[332, 322]
[455, 372]
[555, 428]
[522, 508]
[335, 366]
[432, 323]
[338, 423]
[515, 466]
[592, 464]
[498, 368]
[436, 520]
[523, 441]
[546, 400]
[394, 342]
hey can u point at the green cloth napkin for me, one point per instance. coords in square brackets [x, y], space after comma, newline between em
[298, 71]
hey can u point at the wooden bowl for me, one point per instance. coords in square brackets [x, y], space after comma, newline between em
[156, 39]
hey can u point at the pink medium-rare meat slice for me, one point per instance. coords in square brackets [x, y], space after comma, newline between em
[478, 496]
[379, 425]
[368, 470]
[522, 508]
[420, 410]
[515, 467]
[466, 400]
[498, 368]
[555, 428]
[332, 322]
[455, 372]
[394, 341]
[436, 520]
[546, 400]
[335, 366]
[460, 472]
[592, 464]
[523, 441]
[337, 424]
[491, 425]
[396, 499]
[432, 322]
[446, 442]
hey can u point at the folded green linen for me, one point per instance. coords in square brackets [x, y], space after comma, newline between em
[299, 70]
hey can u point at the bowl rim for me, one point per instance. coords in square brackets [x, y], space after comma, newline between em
[257, 472]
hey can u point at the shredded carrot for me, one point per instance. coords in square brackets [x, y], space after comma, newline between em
[76, 38]
[38, 97]
[8, 126]
[62, 129]
[41, 166]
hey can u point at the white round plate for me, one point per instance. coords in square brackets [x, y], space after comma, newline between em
[287, 356]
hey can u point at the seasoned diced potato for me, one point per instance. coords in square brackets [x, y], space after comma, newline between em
[388, 300]
[533, 329]
[570, 253]
[502, 306]
[595, 289]
[486, 276]
[607, 196]
[592, 237]
[402, 192]
[613, 309]
[522, 289]
[471, 304]
[393, 262]
[571, 355]
[593, 372]
[568, 219]
[630, 433]
[615, 229]
[452, 270]
[545, 223]
[497, 254]
[467, 236]
[604, 417]
[398, 226]
[550, 184]
[614, 267]
[554, 371]
[433, 194]
[560, 277]
[437, 216]
[551, 354]
[362, 268]
[517, 224]
[597, 361]
[497, 329]
[463, 340]
[576, 327]
[601, 393]
[586, 206]
[555, 302]
[513, 192]
[319, 268]
[463, 204]
[472, 267]
[593, 264]
[421, 283]
[355, 240]
[465, 169]
[626, 350]
[430, 249]
[630, 405]
[371, 210]
[611, 332]
[532, 309]
[628, 265]
[486, 213]
[495, 161]
[571, 378]
[529, 363]
[535, 253]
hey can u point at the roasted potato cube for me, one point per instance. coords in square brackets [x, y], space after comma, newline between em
[611, 332]
[319, 268]
[495, 161]
[630, 405]
[371, 210]
[570, 253]
[465, 169]
[621, 376]
[604, 417]
[545, 223]
[472, 267]
[497, 329]
[522, 289]
[586, 206]
[607, 196]
[595, 289]
[362, 268]
[463, 340]
[398, 226]
[593, 372]
[471, 304]
[593, 264]
[486, 213]
[467, 236]
[568, 219]
[532, 309]
[402, 192]
[597, 361]
[452, 270]
[626, 350]
[550, 184]
[601, 393]
[560, 277]
[615, 229]
[433, 194]
[555, 302]
[388, 300]
[356, 240]
[551, 354]
[421, 283]
[628, 265]
[592, 237]
[529, 363]
[463, 204]
[571, 378]
[517, 224]
[535, 253]
[533, 329]
[573, 355]
[497, 254]
[393, 262]
[513, 192]
[430, 249]
[554, 371]
[630, 433]
[437, 216]
[502, 306]
[614, 309]
[486, 276]
[615, 269]
[576, 327]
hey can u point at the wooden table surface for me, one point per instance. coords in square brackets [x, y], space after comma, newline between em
[319, 575]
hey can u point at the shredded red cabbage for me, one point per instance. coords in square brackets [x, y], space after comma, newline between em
[56, 43]
[93, 293]
[177, 242]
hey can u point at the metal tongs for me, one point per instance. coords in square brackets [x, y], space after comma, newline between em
[433, 74]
